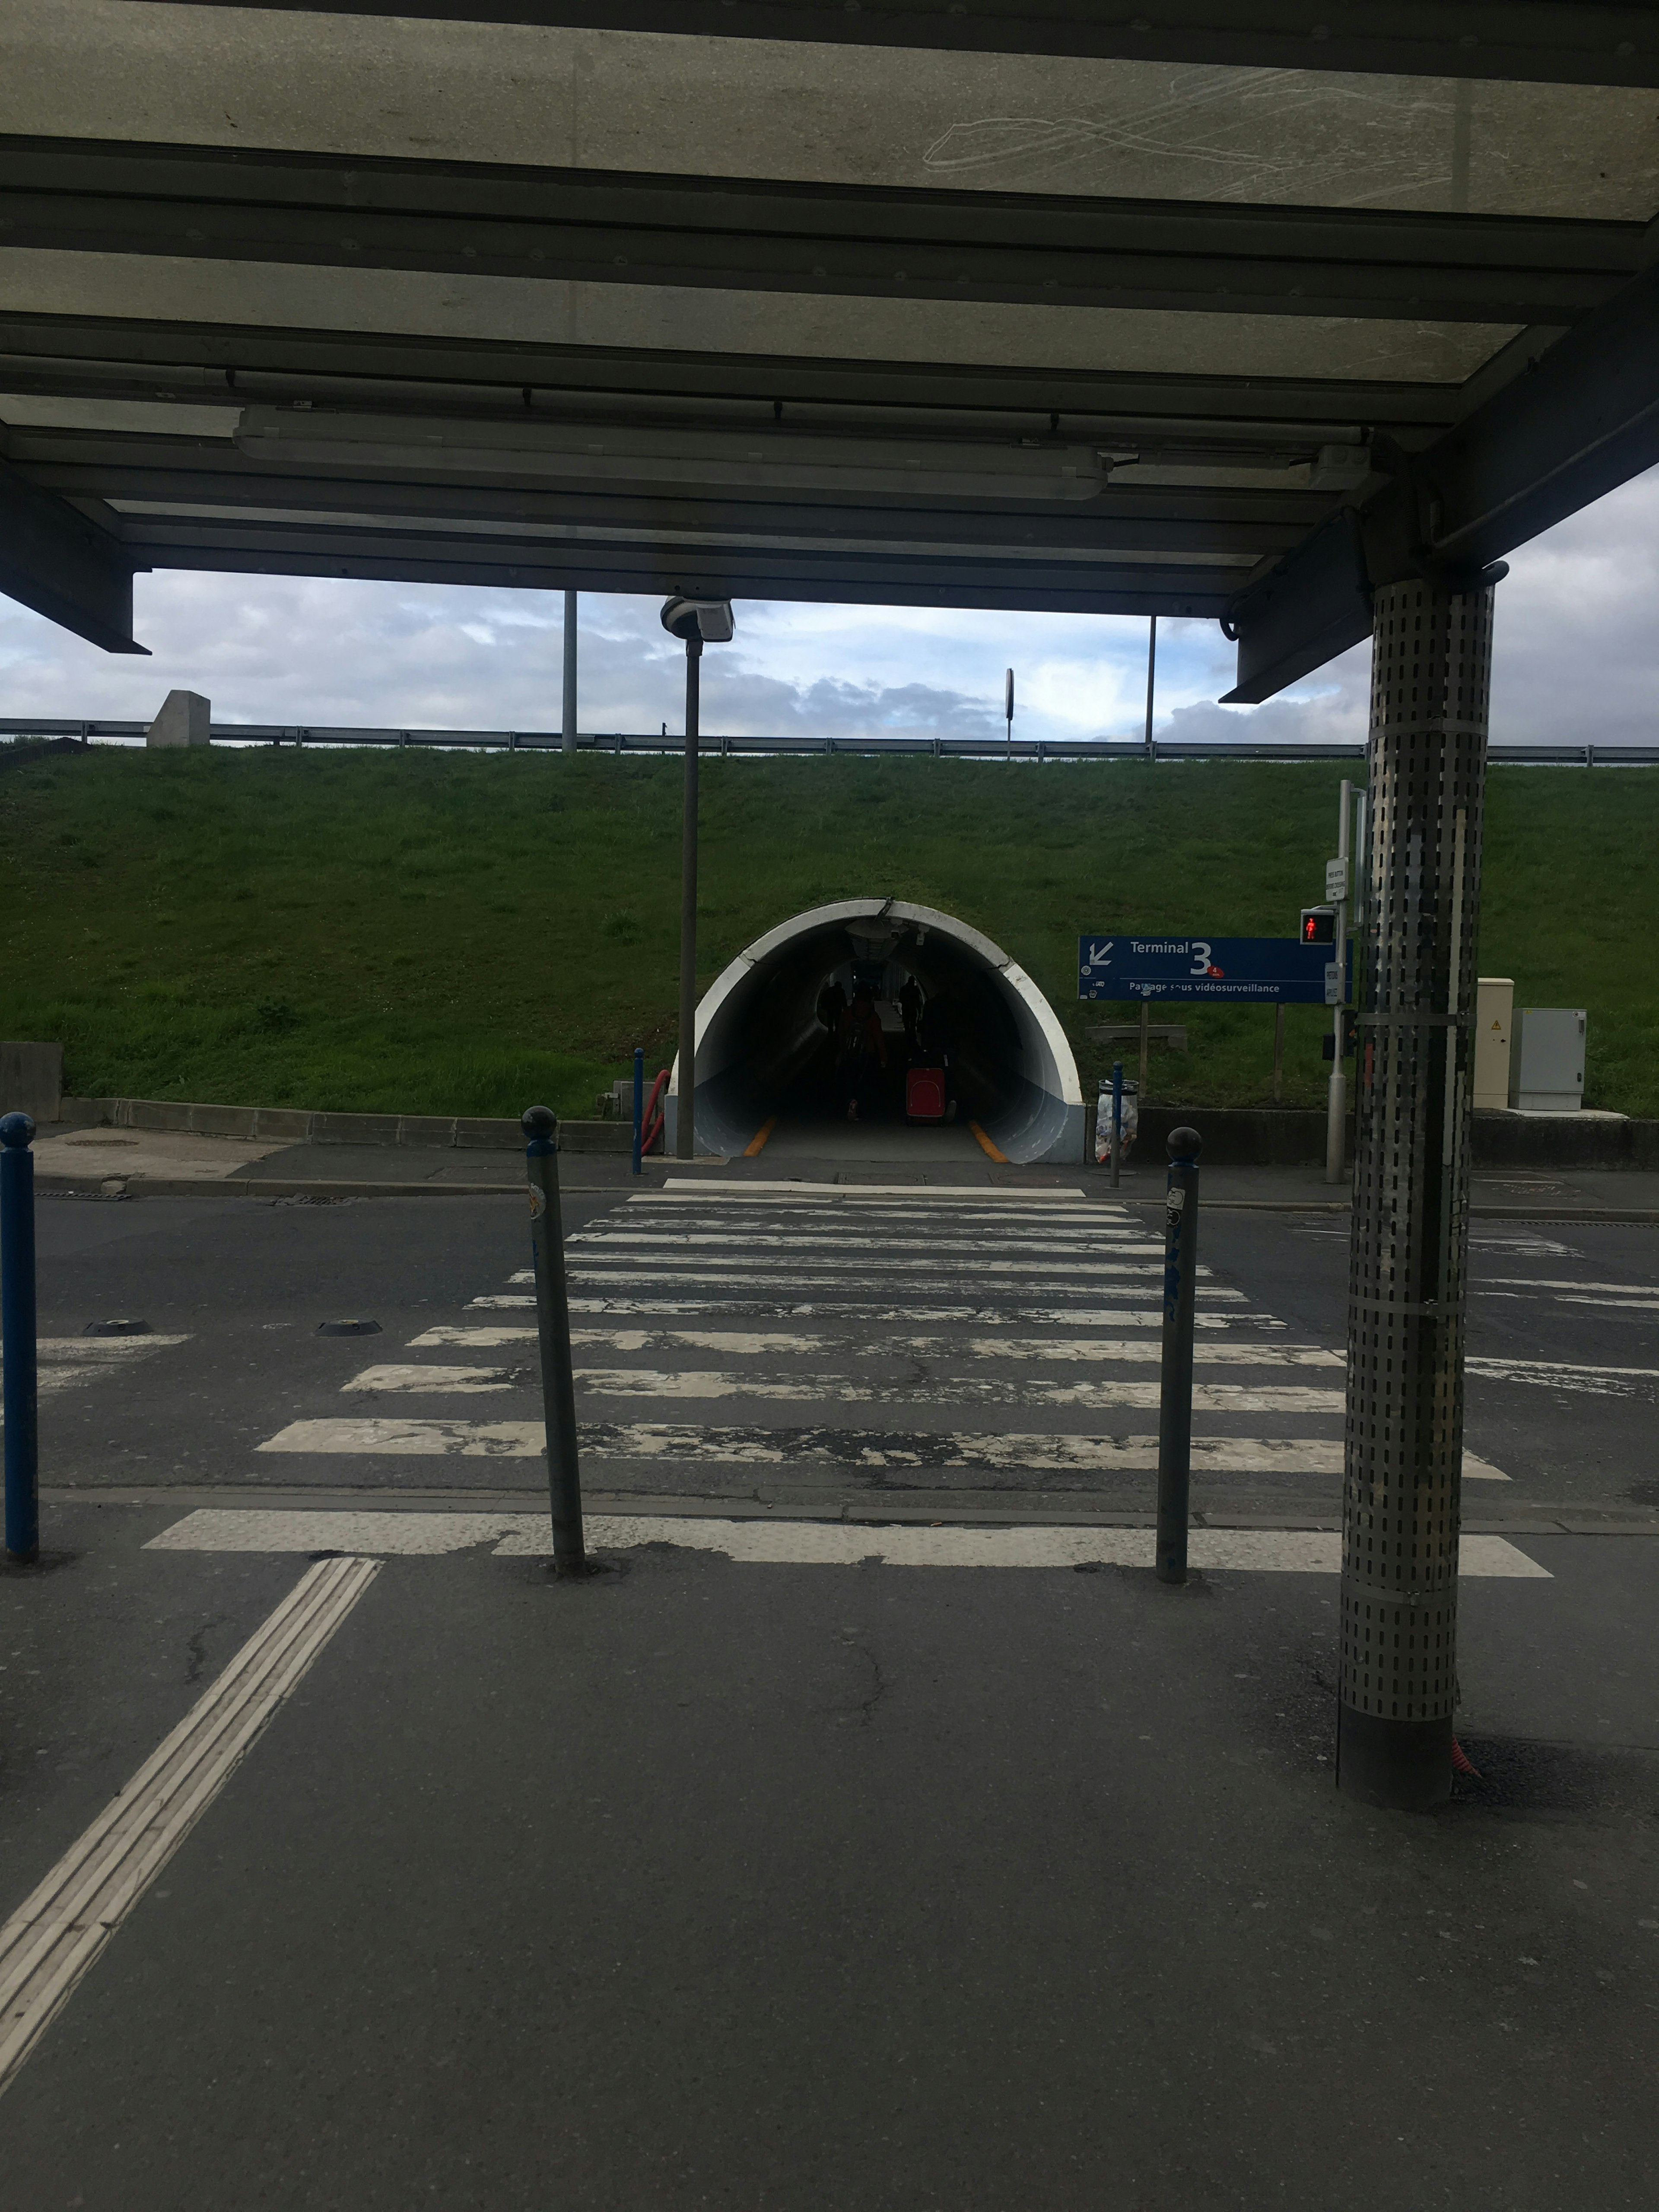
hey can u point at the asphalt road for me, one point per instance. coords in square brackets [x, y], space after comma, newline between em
[824, 1390]
[773, 1886]
[721, 1881]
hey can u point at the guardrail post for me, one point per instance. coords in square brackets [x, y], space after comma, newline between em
[1175, 1416]
[639, 1106]
[564, 1485]
[17, 1338]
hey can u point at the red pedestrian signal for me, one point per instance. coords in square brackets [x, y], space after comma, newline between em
[1318, 925]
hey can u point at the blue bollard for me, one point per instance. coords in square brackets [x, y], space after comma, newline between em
[639, 1106]
[17, 1338]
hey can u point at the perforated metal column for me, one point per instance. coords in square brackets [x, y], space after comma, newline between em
[1431, 673]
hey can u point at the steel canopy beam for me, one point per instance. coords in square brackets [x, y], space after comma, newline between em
[662, 572]
[1583, 419]
[123, 357]
[597, 227]
[53, 559]
[1540, 41]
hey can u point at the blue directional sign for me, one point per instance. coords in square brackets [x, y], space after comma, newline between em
[1171, 967]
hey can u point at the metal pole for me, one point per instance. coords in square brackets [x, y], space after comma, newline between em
[1145, 1046]
[17, 1338]
[1174, 1413]
[564, 1482]
[1008, 706]
[1278, 1052]
[639, 1106]
[567, 739]
[684, 1137]
[1336, 1097]
[1117, 1121]
[1152, 679]
[1430, 670]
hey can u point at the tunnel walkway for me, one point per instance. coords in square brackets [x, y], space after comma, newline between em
[768, 1066]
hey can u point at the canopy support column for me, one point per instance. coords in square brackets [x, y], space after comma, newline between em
[1430, 685]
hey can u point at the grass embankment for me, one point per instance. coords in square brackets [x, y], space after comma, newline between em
[461, 933]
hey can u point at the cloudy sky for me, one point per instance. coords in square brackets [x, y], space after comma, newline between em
[1577, 659]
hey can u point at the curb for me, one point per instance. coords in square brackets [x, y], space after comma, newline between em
[245, 1187]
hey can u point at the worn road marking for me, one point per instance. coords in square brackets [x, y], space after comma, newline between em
[650, 1242]
[1035, 1391]
[698, 1268]
[1550, 1282]
[1596, 1382]
[736, 1446]
[752, 1446]
[867, 1311]
[733, 1343]
[66, 1362]
[679, 1188]
[798, 1543]
[715, 1268]
[55, 1934]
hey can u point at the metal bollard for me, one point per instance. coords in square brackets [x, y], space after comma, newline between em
[564, 1483]
[1175, 1414]
[1117, 1122]
[17, 1339]
[639, 1107]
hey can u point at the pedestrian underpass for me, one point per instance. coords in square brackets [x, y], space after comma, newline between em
[768, 1074]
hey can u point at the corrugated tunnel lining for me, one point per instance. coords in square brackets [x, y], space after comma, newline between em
[758, 1031]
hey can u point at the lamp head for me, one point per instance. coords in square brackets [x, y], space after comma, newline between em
[709, 621]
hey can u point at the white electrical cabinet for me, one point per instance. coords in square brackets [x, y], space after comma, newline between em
[1546, 1060]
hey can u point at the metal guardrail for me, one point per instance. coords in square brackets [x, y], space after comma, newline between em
[1040, 749]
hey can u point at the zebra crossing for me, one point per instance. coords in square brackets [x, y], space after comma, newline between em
[834, 1346]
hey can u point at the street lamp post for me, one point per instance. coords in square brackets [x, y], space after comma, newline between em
[698, 623]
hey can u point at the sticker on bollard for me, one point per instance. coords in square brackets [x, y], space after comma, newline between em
[1174, 1414]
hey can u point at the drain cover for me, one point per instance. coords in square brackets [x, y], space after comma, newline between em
[116, 1328]
[347, 1328]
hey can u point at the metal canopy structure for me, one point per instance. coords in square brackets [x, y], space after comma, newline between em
[1239, 311]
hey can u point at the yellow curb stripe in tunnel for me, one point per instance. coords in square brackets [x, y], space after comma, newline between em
[986, 1145]
[756, 1144]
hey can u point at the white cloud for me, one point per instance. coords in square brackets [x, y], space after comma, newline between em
[1576, 657]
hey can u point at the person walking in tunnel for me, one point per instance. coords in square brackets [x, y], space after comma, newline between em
[911, 1003]
[863, 1049]
[832, 1004]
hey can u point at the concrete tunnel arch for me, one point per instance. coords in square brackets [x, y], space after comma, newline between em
[757, 1028]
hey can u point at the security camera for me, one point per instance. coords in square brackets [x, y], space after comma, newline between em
[708, 620]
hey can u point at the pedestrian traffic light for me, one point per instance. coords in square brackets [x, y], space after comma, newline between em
[1318, 925]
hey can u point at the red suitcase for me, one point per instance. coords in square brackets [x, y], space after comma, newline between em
[924, 1094]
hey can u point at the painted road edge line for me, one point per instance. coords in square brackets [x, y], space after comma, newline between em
[794, 1543]
[56, 1933]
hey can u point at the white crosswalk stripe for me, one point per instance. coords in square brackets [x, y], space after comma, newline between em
[934, 1340]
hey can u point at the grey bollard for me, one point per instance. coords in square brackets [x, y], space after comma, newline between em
[1174, 1415]
[564, 1485]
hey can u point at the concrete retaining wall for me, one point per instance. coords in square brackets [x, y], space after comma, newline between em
[295, 1126]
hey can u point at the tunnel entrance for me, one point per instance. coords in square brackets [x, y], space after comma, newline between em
[777, 1055]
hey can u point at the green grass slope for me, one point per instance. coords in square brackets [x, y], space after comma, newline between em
[462, 933]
